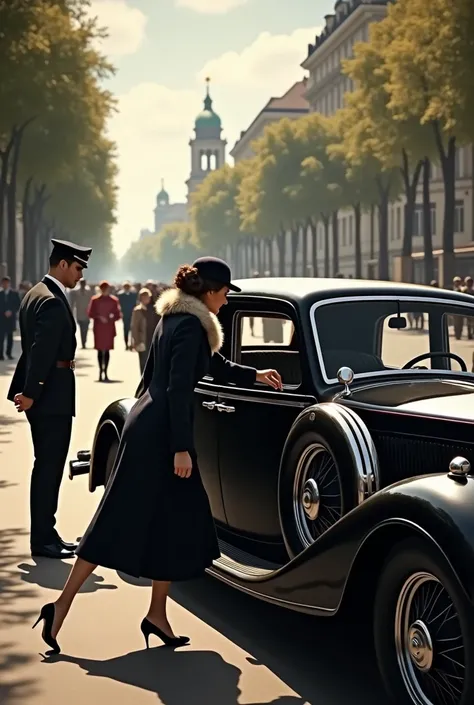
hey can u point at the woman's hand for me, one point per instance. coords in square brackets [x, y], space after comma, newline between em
[270, 377]
[183, 464]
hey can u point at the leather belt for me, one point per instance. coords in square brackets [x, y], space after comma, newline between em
[66, 364]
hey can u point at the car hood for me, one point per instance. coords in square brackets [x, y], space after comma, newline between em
[458, 406]
[441, 398]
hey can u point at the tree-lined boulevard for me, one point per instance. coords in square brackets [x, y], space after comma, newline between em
[410, 109]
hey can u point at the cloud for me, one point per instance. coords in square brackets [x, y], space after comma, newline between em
[271, 60]
[155, 123]
[211, 7]
[125, 26]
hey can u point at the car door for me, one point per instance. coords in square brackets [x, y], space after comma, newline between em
[253, 423]
[205, 438]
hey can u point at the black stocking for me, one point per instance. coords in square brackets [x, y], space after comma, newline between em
[100, 357]
[106, 360]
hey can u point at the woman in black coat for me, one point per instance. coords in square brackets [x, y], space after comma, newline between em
[154, 520]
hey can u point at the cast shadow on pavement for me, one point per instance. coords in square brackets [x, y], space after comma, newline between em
[14, 691]
[7, 422]
[12, 590]
[52, 575]
[176, 676]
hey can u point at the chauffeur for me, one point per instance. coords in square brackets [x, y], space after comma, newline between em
[43, 387]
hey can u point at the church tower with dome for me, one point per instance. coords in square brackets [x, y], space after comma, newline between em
[207, 147]
[166, 212]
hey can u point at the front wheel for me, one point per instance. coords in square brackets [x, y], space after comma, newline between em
[423, 630]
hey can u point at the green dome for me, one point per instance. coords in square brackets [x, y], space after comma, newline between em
[208, 123]
[162, 198]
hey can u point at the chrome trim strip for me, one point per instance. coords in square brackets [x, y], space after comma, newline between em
[373, 469]
[313, 608]
[368, 375]
[260, 400]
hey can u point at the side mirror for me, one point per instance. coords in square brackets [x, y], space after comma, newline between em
[345, 376]
[398, 323]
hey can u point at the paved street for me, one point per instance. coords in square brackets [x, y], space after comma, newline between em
[242, 651]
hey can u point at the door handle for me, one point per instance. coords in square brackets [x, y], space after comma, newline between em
[209, 405]
[224, 407]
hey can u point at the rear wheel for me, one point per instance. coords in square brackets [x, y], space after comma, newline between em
[423, 630]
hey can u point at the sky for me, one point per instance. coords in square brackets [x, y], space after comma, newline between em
[163, 50]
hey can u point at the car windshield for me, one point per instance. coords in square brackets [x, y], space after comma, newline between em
[376, 335]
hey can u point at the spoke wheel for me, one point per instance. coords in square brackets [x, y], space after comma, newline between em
[423, 628]
[429, 642]
[317, 493]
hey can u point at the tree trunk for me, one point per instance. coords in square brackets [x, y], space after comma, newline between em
[282, 252]
[28, 251]
[295, 231]
[357, 242]
[427, 225]
[372, 231]
[448, 165]
[5, 160]
[304, 250]
[270, 266]
[325, 219]
[335, 243]
[248, 258]
[384, 200]
[411, 188]
[314, 246]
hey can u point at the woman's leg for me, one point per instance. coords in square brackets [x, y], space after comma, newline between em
[100, 358]
[157, 610]
[77, 577]
[106, 361]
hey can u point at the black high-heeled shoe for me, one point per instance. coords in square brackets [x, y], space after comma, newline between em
[47, 615]
[148, 628]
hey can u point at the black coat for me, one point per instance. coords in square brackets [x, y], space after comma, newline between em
[150, 522]
[9, 301]
[48, 335]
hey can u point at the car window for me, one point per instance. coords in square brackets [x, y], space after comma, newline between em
[461, 339]
[372, 336]
[269, 341]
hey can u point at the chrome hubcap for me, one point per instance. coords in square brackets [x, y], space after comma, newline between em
[420, 646]
[429, 642]
[317, 494]
[310, 499]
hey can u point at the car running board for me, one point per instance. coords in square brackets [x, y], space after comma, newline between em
[240, 564]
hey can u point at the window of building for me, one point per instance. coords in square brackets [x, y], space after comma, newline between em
[399, 222]
[418, 220]
[459, 167]
[459, 217]
[391, 227]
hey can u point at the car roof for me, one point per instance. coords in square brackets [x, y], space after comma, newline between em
[296, 289]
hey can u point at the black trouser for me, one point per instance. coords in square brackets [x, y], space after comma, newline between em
[6, 332]
[127, 320]
[83, 327]
[51, 437]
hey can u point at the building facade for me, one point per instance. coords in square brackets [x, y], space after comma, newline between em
[325, 90]
[293, 104]
[166, 212]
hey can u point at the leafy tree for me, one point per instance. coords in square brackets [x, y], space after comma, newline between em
[215, 215]
[429, 81]
[270, 193]
[158, 256]
[52, 102]
[395, 142]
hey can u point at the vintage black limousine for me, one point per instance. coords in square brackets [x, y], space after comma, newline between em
[352, 487]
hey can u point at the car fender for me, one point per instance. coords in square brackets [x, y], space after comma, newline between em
[110, 426]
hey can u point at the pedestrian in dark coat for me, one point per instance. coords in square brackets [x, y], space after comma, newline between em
[43, 386]
[154, 520]
[9, 307]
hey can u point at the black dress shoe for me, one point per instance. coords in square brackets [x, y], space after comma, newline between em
[70, 546]
[52, 550]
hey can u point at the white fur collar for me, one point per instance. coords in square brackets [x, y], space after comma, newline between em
[175, 301]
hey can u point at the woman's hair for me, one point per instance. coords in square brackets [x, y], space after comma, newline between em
[188, 280]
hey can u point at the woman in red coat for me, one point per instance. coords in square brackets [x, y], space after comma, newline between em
[104, 310]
